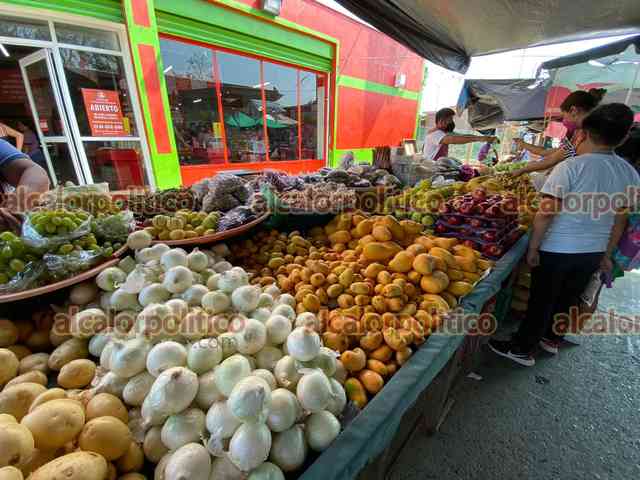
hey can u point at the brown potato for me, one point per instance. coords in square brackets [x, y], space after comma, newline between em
[16, 400]
[107, 405]
[107, 436]
[77, 373]
[73, 466]
[55, 423]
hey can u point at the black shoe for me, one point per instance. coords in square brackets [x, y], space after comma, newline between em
[512, 352]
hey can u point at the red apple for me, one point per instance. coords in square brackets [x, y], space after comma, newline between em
[467, 208]
[453, 220]
[444, 208]
[469, 243]
[495, 250]
[476, 223]
[440, 228]
[489, 236]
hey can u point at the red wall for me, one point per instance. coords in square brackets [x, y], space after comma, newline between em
[365, 119]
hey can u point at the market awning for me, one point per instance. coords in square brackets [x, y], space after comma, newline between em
[490, 103]
[239, 120]
[450, 32]
[614, 67]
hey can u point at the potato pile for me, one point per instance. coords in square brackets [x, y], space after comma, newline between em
[53, 433]
[377, 285]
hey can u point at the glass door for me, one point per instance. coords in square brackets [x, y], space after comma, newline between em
[44, 96]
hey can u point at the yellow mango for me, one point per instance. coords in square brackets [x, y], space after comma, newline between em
[459, 288]
[435, 283]
[402, 262]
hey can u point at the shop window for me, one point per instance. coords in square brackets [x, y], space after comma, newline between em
[281, 96]
[97, 82]
[116, 162]
[44, 100]
[189, 74]
[24, 28]
[86, 37]
[231, 108]
[242, 104]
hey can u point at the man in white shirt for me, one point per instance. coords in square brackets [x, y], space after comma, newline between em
[571, 231]
[437, 140]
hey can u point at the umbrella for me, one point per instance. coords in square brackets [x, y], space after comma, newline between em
[239, 120]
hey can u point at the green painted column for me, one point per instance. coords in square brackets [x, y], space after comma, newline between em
[145, 50]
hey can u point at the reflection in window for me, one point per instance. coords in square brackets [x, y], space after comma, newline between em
[241, 91]
[98, 83]
[223, 105]
[117, 163]
[189, 74]
[88, 37]
[24, 28]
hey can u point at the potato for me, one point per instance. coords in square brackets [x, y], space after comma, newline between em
[77, 374]
[72, 349]
[16, 443]
[10, 473]
[16, 400]
[73, 466]
[55, 423]
[132, 460]
[51, 394]
[35, 362]
[132, 476]
[8, 333]
[19, 351]
[60, 331]
[38, 458]
[38, 341]
[9, 365]
[106, 436]
[112, 472]
[107, 405]
[33, 377]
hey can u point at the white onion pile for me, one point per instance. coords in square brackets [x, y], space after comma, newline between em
[210, 358]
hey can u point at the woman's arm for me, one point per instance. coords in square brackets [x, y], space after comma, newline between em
[535, 149]
[10, 132]
[546, 163]
[549, 208]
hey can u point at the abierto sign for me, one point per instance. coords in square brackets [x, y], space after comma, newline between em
[104, 113]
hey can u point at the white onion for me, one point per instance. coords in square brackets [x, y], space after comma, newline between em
[341, 373]
[325, 361]
[265, 301]
[204, 355]
[179, 307]
[289, 449]
[216, 302]
[182, 428]
[230, 372]
[232, 279]
[303, 344]
[252, 337]
[278, 329]
[137, 389]
[268, 357]
[154, 293]
[338, 398]
[83, 293]
[166, 355]
[261, 314]
[250, 446]
[286, 372]
[193, 295]
[272, 290]
[189, 462]
[223, 469]
[321, 428]
[285, 310]
[250, 399]
[245, 299]
[208, 392]
[267, 376]
[266, 471]
[284, 410]
[314, 391]
[287, 299]
[129, 358]
[99, 341]
[178, 279]
[197, 260]
[220, 421]
[309, 320]
[176, 257]
[172, 392]
[229, 344]
[110, 278]
[152, 446]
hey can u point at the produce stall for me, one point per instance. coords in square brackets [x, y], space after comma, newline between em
[305, 350]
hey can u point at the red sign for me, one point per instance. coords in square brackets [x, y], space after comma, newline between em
[104, 113]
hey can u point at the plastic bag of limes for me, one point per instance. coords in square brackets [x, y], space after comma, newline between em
[20, 265]
[47, 229]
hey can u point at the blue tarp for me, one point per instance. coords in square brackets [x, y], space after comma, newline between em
[373, 430]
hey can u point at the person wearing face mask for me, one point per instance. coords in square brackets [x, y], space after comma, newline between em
[438, 139]
[574, 109]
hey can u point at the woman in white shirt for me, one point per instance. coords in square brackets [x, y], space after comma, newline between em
[571, 231]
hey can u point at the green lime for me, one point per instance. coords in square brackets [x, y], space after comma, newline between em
[65, 249]
[50, 228]
[17, 265]
[8, 237]
[6, 252]
[108, 251]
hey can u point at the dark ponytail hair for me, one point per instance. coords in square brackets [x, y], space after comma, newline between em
[585, 101]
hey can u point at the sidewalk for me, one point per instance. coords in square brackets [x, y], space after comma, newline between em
[574, 416]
